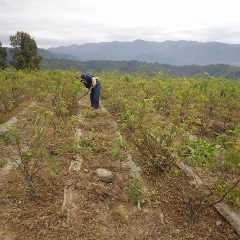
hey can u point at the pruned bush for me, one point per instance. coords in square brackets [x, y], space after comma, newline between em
[155, 146]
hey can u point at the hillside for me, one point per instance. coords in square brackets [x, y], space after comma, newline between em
[168, 52]
[49, 55]
[124, 171]
[227, 71]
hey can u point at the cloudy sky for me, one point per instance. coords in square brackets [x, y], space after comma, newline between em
[64, 22]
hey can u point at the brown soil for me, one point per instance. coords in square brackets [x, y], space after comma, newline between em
[102, 211]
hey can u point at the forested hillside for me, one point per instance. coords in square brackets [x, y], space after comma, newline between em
[227, 71]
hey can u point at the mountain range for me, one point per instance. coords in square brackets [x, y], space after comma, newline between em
[184, 58]
[177, 53]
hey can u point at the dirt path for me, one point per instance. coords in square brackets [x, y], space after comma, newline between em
[82, 207]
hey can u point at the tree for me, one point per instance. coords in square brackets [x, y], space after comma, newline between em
[24, 51]
[3, 57]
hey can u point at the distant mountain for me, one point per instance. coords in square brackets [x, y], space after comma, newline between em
[45, 54]
[168, 52]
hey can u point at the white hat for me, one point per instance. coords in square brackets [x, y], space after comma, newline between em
[78, 74]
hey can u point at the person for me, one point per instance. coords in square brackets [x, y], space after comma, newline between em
[92, 83]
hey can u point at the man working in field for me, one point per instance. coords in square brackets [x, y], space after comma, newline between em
[92, 83]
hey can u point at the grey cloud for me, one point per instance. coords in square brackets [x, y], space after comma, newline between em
[61, 22]
[229, 34]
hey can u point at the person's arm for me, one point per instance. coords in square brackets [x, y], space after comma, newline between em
[94, 81]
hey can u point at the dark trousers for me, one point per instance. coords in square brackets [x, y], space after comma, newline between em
[95, 95]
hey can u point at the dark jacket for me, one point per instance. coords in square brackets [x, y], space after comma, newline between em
[87, 80]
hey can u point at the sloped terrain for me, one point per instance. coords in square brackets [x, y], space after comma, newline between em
[75, 204]
[168, 52]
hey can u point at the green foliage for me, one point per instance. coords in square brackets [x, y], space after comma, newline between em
[232, 156]
[87, 142]
[24, 51]
[15, 87]
[3, 57]
[155, 146]
[190, 119]
[87, 113]
[133, 189]
[126, 116]
[201, 153]
[117, 145]
[156, 114]
[52, 163]
[31, 151]
[203, 106]
[10, 192]
[231, 141]
[222, 186]
[66, 96]
[60, 89]
[46, 134]
[9, 135]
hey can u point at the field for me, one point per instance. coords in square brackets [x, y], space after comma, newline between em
[190, 120]
[163, 121]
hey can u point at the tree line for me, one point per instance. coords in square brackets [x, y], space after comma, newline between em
[135, 67]
[24, 52]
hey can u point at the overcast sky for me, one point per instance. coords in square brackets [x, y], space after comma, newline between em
[65, 22]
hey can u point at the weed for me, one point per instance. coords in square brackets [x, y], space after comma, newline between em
[87, 113]
[133, 189]
[2, 163]
[117, 145]
[87, 141]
